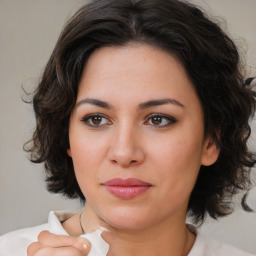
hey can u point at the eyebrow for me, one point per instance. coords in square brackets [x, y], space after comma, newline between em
[144, 105]
[160, 102]
[95, 102]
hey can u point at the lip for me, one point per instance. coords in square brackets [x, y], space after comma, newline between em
[126, 188]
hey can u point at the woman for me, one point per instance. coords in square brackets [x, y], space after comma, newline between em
[141, 110]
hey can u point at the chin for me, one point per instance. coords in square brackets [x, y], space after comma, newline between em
[127, 219]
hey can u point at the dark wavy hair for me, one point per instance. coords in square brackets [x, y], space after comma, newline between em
[211, 60]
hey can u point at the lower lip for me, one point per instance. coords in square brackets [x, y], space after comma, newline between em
[124, 192]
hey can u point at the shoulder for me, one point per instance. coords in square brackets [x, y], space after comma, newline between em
[15, 243]
[207, 246]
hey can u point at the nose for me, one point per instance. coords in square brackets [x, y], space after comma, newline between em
[126, 148]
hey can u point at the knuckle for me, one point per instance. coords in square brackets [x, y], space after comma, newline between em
[44, 252]
[42, 235]
[72, 251]
[31, 249]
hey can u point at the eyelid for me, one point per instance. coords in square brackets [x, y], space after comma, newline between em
[87, 117]
[170, 119]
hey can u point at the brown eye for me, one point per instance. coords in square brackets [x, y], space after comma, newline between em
[96, 120]
[160, 120]
[156, 120]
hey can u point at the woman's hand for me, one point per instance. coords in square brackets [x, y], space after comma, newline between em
[58, 245]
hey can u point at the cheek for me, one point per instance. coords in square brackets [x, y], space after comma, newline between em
[178, 163]
[87, 154]
[86, 149]
[179, 151]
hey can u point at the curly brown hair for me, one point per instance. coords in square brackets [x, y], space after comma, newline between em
[211, 60]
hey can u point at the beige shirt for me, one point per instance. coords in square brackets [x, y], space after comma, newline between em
[16, 243]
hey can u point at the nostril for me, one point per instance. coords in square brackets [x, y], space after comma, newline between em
[131, 162]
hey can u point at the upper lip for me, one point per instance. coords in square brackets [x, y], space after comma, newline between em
[126, 182]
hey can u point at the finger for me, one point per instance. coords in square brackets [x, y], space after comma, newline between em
[33, 248]
[48, 239]
[62, 251]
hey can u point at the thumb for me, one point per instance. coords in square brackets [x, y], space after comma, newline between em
[48, 239]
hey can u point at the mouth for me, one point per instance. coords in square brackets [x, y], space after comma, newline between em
[126, 188]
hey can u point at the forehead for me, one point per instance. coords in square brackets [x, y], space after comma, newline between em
[137, 71]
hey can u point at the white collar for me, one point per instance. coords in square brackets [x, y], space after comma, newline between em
[55, 219]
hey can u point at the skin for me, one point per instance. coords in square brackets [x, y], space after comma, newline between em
[50, 244]
[125, 141]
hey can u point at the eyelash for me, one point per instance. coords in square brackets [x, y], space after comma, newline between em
[88, 118]
[170, 120]
[158, 117]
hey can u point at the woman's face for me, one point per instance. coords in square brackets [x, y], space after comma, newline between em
[137, 137]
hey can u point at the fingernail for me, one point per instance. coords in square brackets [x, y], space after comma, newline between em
[83, 241]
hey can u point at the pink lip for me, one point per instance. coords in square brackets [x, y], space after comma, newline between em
[126, 188]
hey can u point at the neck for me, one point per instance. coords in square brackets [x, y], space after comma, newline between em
[152, 242]
[170, 238]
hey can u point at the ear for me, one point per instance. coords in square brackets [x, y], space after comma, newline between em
[210, 153]
[69, 152]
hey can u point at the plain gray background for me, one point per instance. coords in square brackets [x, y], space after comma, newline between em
[28, 33]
